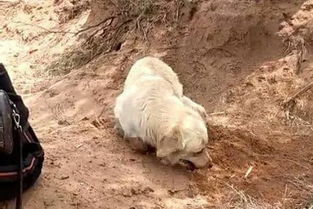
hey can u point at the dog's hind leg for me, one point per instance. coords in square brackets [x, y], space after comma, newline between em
[187, 101]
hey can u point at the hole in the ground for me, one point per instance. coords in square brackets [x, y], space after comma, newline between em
[117, 46]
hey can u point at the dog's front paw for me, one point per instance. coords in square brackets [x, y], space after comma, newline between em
[137, 144]
[165, 161]
[119, 129]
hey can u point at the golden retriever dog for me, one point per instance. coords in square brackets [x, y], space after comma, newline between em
[154, 66]
[152, 109]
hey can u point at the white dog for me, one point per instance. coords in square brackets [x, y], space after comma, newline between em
[152, 108]
[155, 67]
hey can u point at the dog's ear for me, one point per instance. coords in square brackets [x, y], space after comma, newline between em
[171, 142]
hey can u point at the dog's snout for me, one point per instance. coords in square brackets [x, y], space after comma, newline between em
[203, 160]
[209, 164]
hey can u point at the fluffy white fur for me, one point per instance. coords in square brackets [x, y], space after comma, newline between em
[155, 67]
[152, 108]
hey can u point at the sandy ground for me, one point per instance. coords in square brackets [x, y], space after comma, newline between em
[230, 56]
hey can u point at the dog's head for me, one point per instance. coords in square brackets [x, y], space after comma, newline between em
[185, 143]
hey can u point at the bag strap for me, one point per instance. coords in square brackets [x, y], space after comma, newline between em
[17, 118]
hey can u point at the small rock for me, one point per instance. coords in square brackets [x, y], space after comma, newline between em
[127, 194]
[64, 177]
[171, 191]
[102, 164]
[32, 51]
[63, 122]
[148, 190]
[134, 192]
[85, 118]
[78, 146]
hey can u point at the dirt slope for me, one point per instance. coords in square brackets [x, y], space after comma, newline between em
[240, 59]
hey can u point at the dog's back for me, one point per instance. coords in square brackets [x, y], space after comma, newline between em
[144, 105]
[153, 66]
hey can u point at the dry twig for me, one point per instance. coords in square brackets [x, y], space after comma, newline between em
[298, 93]
[248, 171]
[10, 3]
[45, 29]
[111, 18]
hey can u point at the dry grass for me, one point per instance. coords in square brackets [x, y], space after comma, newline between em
[135, 17]
[68, 61]
[240, 200]
[307, 187]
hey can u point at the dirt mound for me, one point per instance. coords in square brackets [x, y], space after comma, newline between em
[224, 42]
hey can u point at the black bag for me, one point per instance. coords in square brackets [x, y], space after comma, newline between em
[21, 155]
[6, 130]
